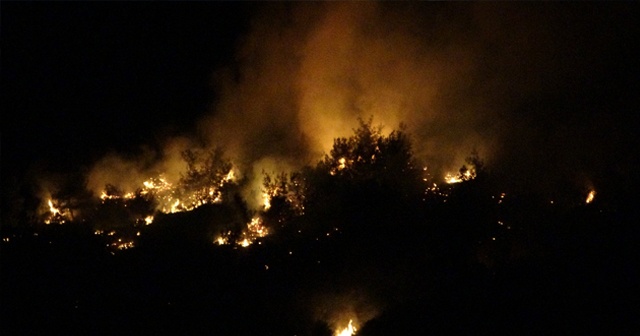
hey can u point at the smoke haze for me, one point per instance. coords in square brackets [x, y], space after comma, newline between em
[516, 82]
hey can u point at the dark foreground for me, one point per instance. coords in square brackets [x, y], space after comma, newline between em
[580, 279]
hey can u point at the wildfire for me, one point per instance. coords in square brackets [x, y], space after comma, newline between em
[54, 210]
[122, 245]
[590, 196]
[172, 198]
[56, 214]
[148, 220]
[266, 201]
[452, 179]
[255, 229]
[230, 176]
[343, 164]
[463, 175]
[222, 240]
[348, 330]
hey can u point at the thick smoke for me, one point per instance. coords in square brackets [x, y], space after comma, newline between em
[128, 172]
[506, 80]
[512, 81]
[307, 72]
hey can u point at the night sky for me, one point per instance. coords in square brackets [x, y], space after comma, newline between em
[102, 98]
[547, 93]
[82, 79]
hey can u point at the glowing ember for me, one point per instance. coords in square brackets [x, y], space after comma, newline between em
[122, 245]
[222, 240]
[590, 196]
[464, 175]
[452, 179]
[348, 330]
[148, 220]
[256, 228]
[343, 163]
[244, 243]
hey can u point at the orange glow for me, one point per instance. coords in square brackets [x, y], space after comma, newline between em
[54, 211]
[343, 163]
[245, 242]
[57, 214]
[266, 201]
[222, 240]
[466, 175]
[348, 330]
[254, 230]
[590, 196]
[148, 220]
[452, 179]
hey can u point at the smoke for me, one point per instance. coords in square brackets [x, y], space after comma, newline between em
[127, 172]
[507, 80]
[307, 72]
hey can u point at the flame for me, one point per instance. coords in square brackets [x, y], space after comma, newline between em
[590, 196]
[266, 201]
[222, 240]
[452, 179]
[57, 214]
[174, 206]
[54, 210]
[343, 163]
[230, 176]
[255, 229]
[172, 198]
[148, 220]
[468, 174]
[348, 330]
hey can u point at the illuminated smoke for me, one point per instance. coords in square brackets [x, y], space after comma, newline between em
[307, 72]
[459, 76]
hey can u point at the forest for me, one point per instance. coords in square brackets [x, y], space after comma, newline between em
[365, 242]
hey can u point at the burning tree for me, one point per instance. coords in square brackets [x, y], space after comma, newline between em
[366, 177]
[284, 196]
[370, 156]
[206, 174]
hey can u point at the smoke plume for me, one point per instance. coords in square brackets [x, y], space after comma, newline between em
[507, 80]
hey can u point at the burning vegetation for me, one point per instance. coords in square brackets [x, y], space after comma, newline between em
[368, 195]
[368, 159]
[369, 165]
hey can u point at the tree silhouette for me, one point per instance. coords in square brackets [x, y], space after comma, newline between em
[206, 174]
[368, 177]
[286, 196]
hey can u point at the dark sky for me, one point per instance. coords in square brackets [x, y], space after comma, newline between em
[541, 87]
[79, 79]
